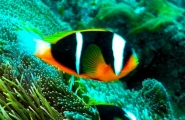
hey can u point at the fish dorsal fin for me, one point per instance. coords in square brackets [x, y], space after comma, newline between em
[92, 60]
[57, 36]
[93, 29]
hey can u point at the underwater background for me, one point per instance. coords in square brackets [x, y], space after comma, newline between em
[33, 90]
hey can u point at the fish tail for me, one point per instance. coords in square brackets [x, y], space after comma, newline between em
[31, 42]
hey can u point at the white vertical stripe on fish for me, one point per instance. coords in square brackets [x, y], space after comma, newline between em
[118, 44]
[79, 40]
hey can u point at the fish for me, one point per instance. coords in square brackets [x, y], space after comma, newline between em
[96, 54]
[111, 112]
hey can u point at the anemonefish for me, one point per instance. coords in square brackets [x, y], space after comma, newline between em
[94, 53]
[110, 112]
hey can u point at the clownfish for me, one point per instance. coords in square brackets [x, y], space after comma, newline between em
[111, 112]
[93, 53]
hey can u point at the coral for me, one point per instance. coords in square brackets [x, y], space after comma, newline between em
[162, 8]
[23, 71]
[76, 116]
[176, 31]
[156, 98]
[20, 96]
[151, 102]
[158, 13]
[95, 94]
[26, 69]
[29, 86]
[145, 16]
[77, 13]
[63, 99]
[18, 99]
[7, 26]
[114, 10]
[34, 12]
[16, 103]
[162, 57]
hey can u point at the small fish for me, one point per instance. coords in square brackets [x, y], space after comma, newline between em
[110, 112]
[94, 53]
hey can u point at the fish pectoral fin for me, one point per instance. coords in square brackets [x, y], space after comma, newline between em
[92, 61]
